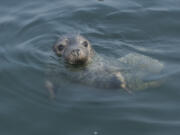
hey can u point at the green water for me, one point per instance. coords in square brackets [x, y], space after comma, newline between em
[115, 28]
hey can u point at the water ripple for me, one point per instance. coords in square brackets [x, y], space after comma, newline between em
[115, 28]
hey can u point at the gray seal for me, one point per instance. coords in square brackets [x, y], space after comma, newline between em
[129, 72]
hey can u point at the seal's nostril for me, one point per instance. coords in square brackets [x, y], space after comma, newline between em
[76, 52]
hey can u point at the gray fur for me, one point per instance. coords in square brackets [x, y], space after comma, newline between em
[129, 72]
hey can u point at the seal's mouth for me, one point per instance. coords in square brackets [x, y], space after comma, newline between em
[76, 61]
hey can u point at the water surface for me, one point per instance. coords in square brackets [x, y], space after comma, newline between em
[115, 28]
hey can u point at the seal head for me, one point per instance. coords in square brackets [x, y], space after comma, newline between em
[74, 49]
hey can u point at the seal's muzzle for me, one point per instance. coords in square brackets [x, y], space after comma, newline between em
[76, 56]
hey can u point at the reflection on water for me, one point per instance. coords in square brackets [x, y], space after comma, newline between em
[115, 28]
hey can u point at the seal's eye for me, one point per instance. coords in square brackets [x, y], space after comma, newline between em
[60, 47]
[85, 43]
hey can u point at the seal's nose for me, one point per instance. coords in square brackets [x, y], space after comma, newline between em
[75, 52]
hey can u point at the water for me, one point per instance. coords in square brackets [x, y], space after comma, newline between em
[115, 28]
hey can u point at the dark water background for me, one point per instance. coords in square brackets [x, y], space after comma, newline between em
[29, 28]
